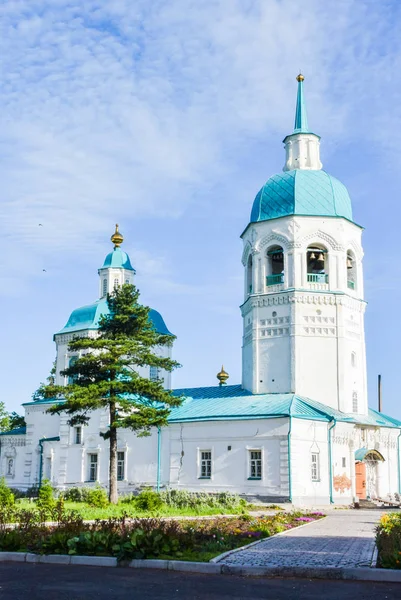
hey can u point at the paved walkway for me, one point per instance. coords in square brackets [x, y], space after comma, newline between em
[343, 539]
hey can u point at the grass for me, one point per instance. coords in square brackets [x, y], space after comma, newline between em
[92, 513]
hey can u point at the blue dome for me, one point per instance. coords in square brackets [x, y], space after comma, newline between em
[88, 317]
[118, 259]
[302, 192]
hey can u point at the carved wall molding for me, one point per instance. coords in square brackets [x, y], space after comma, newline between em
[272, 239]
[321, 236]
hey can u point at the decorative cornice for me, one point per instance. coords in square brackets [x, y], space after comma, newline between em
[321, 235]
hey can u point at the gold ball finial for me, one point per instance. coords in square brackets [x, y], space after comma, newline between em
[300, 77]
[222, 376]
[117, 238]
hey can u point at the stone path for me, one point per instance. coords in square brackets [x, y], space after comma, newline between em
[343, 539]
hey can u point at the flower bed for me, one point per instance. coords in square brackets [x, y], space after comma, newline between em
[142, 538]
[388, 541]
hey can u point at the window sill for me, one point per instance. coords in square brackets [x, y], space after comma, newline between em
[254, 479]
[316, 480]
[204, 477]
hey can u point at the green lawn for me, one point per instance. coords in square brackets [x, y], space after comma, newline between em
[130, 510]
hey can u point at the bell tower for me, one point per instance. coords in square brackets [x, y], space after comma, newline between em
[303, 310]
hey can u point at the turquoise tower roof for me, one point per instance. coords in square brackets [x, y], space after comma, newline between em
[88, 317]
[118, 259]
[301, 192]
[303, 188]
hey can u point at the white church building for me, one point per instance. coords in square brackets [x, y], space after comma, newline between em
[298, 427]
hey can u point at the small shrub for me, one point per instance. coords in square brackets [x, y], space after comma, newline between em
[388, 541]
[97, 497]
[149, 500]
[46, 501]
[76, 494]
[7, 498]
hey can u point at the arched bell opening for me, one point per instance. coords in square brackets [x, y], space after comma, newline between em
[275, 266]
[317, 264]
[249, 275]
[351, 271]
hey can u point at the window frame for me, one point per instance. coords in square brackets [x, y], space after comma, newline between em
[315, 466]
[355, 406]
[206, 463]
[78, 434]
[10, 472]
[255, 464]
[155, 376]
[90, 466]
[104, 287]
[121, 465]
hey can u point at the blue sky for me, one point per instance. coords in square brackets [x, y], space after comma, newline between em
[167, 117]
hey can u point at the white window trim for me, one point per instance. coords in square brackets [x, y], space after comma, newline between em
[248, 463]
[74, 435]
[200, 450]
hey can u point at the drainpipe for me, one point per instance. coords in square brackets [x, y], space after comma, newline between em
[399, 462]
[41, 441]
[330, 460]
[159, 436]
[289, 460]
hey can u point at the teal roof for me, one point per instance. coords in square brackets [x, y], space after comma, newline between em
[231, 402]
[118, 259]
[301, 192]
[88, 317]
[17, 431]
[301, 119]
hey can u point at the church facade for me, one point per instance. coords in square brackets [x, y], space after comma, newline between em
[298, 428]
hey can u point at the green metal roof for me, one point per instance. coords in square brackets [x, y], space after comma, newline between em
[88, 317]
[118, 259]
[17, 431]
[231, 402]
[301, 192]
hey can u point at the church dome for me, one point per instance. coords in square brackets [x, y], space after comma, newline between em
[118, 259]
[302, 192]
[88, 317]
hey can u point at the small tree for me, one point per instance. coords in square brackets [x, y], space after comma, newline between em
[4, 418]
[105, 375]
[16, 420]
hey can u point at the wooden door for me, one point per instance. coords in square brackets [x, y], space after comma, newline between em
[360, 474]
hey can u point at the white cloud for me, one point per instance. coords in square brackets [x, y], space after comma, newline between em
[120, 110]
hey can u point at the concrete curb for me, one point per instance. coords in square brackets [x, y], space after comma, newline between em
[346, 573]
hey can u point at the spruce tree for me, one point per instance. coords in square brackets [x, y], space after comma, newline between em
[105, 375]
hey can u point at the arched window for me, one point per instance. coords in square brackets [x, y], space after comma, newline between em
[353, 359]
[355, 402]
[275, 266]
[71, 363]
[351, 270]
[249, 275]
[317, 264]
[104, 288]
[116, 283]
[10, 466]
[127, 281]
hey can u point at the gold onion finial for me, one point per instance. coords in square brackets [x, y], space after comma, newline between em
[300, 77]
[117, 238]
[222, 376]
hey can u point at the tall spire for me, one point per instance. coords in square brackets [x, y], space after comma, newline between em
[301, 119]
[301, 146]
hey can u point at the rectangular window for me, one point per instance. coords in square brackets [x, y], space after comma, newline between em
[205, 464]
[154, 373]
[93, 467]
[315, 466]
[255, 464]
[355, 402]
[344, 462]
[77, 435]
[120, 466]
[104, 291]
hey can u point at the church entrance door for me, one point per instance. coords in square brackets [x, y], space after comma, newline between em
[360, 475]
